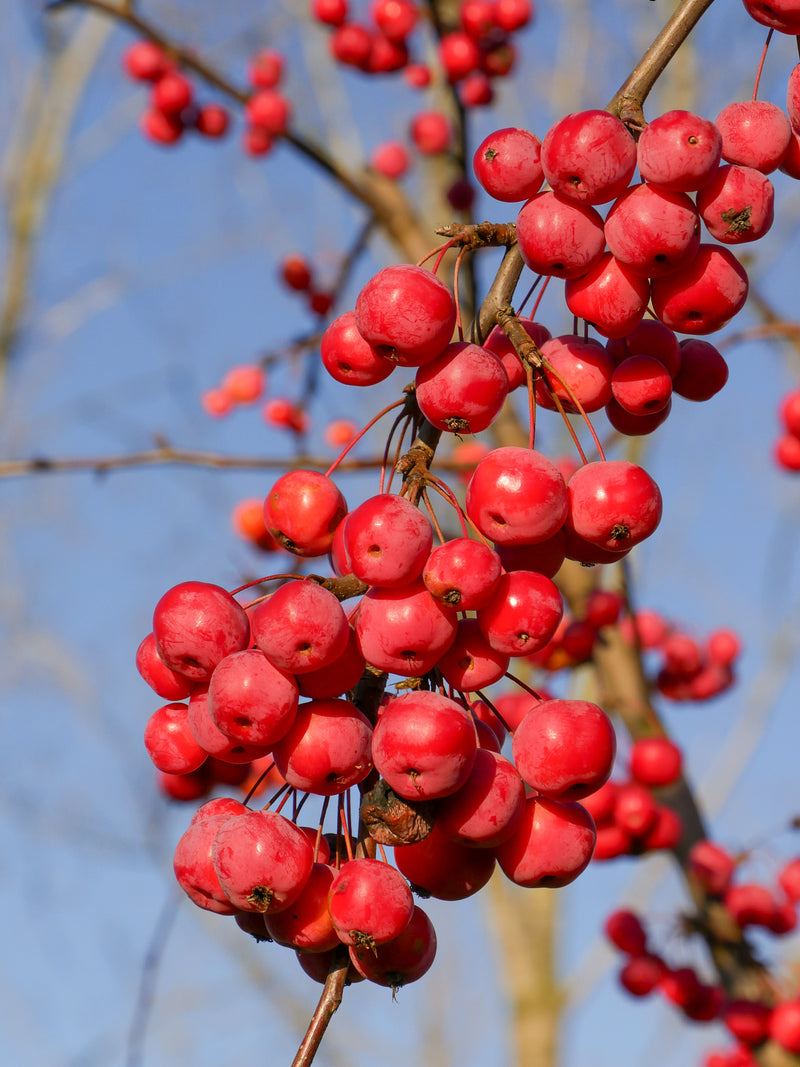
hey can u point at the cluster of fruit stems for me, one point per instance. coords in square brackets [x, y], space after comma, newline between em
[619, 667]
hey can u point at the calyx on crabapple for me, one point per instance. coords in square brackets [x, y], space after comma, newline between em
[613, 504]
[300, 627]
[387, 541]
[370, 902]
[463, 389]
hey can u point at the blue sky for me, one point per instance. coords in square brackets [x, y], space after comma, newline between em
[155, 271]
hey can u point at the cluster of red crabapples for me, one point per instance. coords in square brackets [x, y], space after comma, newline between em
[172, 109]
[435, 784]
[471, 56]
[787, 447]
[749, 904]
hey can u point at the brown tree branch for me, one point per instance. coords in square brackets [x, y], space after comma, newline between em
[329, 1001]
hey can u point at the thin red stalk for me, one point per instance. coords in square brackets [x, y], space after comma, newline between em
[530, 293]
[578, 405]
[535, 307]
[268, 578]
[531, 405]
[761, 64]
[442, 253]
[360, 434]
[528, 689]
[348, 844]
[456, 271]
[432, 513]
[445, 490]
[394, 426]
[258, 782]
[493, 707]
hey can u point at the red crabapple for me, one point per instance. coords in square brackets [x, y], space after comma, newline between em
[471, 663]
[609, 295]
[781, 15]
[262, 860]
[326, 749]
[552, 845]
[755, 133]
[166, 683]
[679, 151]
[613, 504]
[517, 496]
[302, 512]
[641, 385]
[444, 868]
[404, 959]
[703, 370]
[387, 541]
[306, 924]
[348, 358]
[406, 314]
[424, 745]
[170, 742]
[507, 163]
[300, 627]
[462, 573]
[589, 157]
[559, 237]
[655, 761]
[463, 389]
[370, 903]
[404, 630]
[486, 810]
[564, 749]
[652, 231]
[523, 613]
[197, 624]
[250, 699]
[703, 296]
[737, 204]
[193, 862]
[578, 372]
[431, 132]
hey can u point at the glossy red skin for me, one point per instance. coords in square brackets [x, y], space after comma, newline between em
[462, 573]
[552, 845]
[370, 902]
[793, 97]
[609, 295]
[463, 389]
[424, 745]
[193, 866]
[212, 739]
[471, 663]
[512, 15]
[649, 338]
[679, 151]
[703, 370]
[787, 452]
[545, 557]
[642, 385]
[250, 699]
[652, 231]
[517, 496]
[405, 959]
[170, 742]
[406, 314]
[600, 804]
[488, 807]
[558, 237]
[327, 749]
[404, 630]
[523, 613]
[589, 157]
[348, 358]
[743, 191]
[781, 15]
[655, 761]
[338, 677]
[218, 806]
[446, 869]
[168, 684]
[195, 625]
[302, 512]
[301, 627]
[508, 165]
[614, 504]
[583, 551]
[635, 425]
[387, 540]
[306, 923]
[612, 841]
[755, 133]
[564, 749]
[262, 861]
[704, 296]
[750, 904]
[585, 368]
[476, 90]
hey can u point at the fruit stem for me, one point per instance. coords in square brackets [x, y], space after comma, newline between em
[761, 64]
[360, 434]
